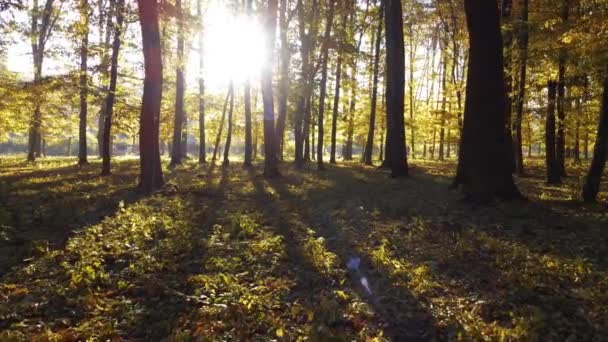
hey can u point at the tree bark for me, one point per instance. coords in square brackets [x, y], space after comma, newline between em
[551, 162]
[284, 80]
[522, 45]
[484, 163]
[202, 149]
[109, 106]
[270, 140]
[229, 134]
[221, 128]
[178, 126]
[561, 99]
[84, 47]
[151, 174]
[369, 146]
[395, 88]
[323, 86]
[507, 8]
[600, 152]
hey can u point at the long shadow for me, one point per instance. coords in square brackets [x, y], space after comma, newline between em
[420, 323]
[161, 313]
[533, 228]
[39, 217]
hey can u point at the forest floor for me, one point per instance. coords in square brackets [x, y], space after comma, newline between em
[220, 253]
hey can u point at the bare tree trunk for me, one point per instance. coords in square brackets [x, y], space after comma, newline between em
[202, 149]
[323, 90]
[284, 80]
[109, 106]
[84, 48]
[229, 134]
[221, 128]
[151, 174]
[105, 68]
[522, 44]
[561, 99]
[369, 146]
[411, 91]
[484, 163]
[551, 162]
[178, 126]
[270, 140]
[395, 88]
[600, 152]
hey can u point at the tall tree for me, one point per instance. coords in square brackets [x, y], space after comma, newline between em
[600, 151]
[522, 47]
[178, 125]
[105, 36]
[551, 162]
[284, 76]
[323, 86]
[248, 140]
[561, 97]
[109, 105]
[151, 174]
[83, 27]
[229, 134]
[202, 149]
[42, 26]
[221, 128]
[369, 146]
[270, 140]
[395, 88]
[336, 106]
[484, 163]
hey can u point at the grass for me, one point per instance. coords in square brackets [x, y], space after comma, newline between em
[224, 254]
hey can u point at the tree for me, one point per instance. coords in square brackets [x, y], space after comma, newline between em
[270, 140]
[40, 33]
[369, 146]
[323, 94]
[600, 151]
[178, 125]
[202, 152]
[284, 79]
[551, 162]
[229, 134]
[395, 88]
[151, 174]
[522, 46]
[248, 140]
[561, 98]
[82, 129]
[109, 105]
[484, 164]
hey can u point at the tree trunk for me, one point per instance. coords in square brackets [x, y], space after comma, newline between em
[443, 105]
[411, 91]
[151, 174]
[350, 130]
[507, 7]
[484, 163]
[600, 152]
[109, 106]
[229, 134]
[395, 88]
[323, 90]
[334, 117]
[577, 132]
[202, 149]
[270, 140]
[522, 44]
[369, 146]
[178, 125]
[84, 46]
[561, 99]
[284, 80]
[221, 128]
[551, 162]
[105, 70]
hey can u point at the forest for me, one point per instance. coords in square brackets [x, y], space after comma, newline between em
[303, 170]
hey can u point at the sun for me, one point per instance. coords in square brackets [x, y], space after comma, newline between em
[233, 47]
